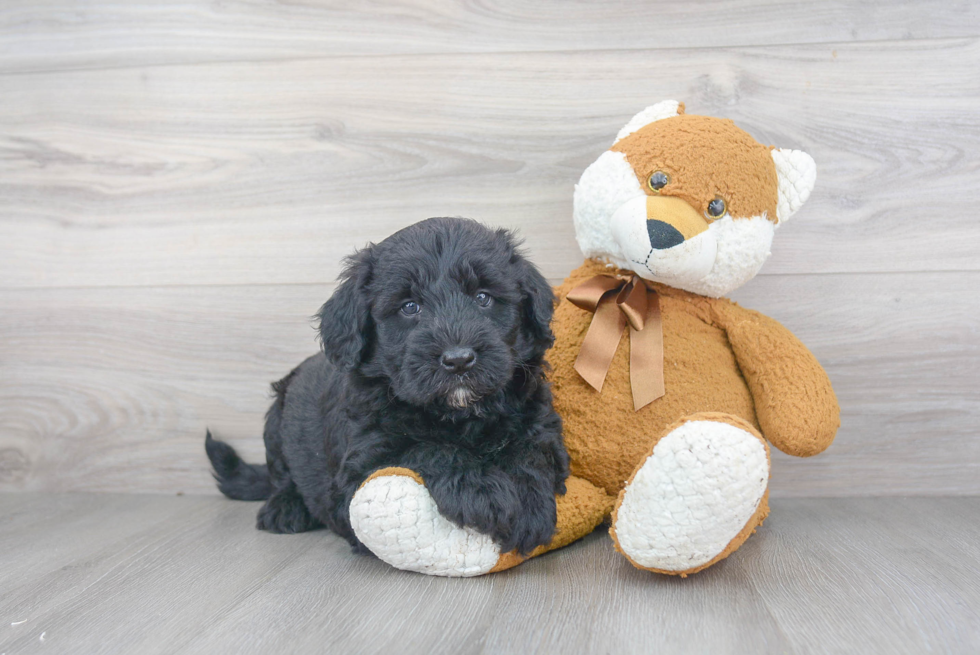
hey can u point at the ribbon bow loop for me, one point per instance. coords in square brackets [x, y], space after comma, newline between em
[617, 302]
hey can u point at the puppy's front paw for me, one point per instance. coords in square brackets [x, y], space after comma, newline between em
[529, 526]
[394, 515]
[518, 518]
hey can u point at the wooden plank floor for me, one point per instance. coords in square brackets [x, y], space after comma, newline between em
[110, 573]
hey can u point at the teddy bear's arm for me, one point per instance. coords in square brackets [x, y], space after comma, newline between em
[393, 514]
[794, 401]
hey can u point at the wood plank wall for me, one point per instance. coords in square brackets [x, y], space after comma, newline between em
[179, 181]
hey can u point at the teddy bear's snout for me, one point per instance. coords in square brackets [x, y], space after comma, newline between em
[671, 221]
[663, 235]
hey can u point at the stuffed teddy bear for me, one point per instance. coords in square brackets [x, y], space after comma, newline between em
[669, 394]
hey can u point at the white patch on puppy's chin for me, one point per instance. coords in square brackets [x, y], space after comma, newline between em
[460, 398]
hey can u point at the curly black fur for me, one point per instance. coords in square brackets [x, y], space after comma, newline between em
[486, 441]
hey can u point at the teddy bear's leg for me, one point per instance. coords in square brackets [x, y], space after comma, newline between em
[696, 498]
[395, 517]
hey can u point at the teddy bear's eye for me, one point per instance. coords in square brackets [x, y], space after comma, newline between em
[658, 181]
[716, 208]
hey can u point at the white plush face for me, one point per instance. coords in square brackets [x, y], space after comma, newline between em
[671, 235]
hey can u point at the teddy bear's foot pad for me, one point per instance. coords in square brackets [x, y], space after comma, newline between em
[396, 518]
[695, 499]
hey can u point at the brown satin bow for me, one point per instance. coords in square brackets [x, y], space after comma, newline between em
[617, 302]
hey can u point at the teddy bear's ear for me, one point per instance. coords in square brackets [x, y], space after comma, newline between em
[797, 173]
[656, 112]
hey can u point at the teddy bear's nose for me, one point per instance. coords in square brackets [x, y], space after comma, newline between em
[663, 235]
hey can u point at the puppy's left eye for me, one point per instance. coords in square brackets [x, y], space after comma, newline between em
[411, 308]
[483, 299]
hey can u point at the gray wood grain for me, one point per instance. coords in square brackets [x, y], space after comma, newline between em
[111, 389]
[259, 173]
[191, 575]
[39, 36]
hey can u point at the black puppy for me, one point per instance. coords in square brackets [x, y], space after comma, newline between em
[433, 361]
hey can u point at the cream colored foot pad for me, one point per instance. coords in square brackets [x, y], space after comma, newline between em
[396, 518]
[692, 496]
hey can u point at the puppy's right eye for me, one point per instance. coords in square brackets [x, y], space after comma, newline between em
[411, 308]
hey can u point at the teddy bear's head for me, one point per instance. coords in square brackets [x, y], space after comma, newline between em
[688, 201]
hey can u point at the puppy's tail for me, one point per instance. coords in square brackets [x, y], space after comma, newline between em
[235, 478]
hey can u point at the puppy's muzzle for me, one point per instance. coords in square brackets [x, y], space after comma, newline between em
[458, 360]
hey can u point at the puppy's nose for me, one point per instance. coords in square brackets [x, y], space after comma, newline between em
[458, 360]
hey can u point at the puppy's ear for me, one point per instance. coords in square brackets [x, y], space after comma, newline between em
[537, 305]
[345, 319]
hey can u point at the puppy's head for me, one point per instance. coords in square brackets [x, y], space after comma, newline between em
[445, 311]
